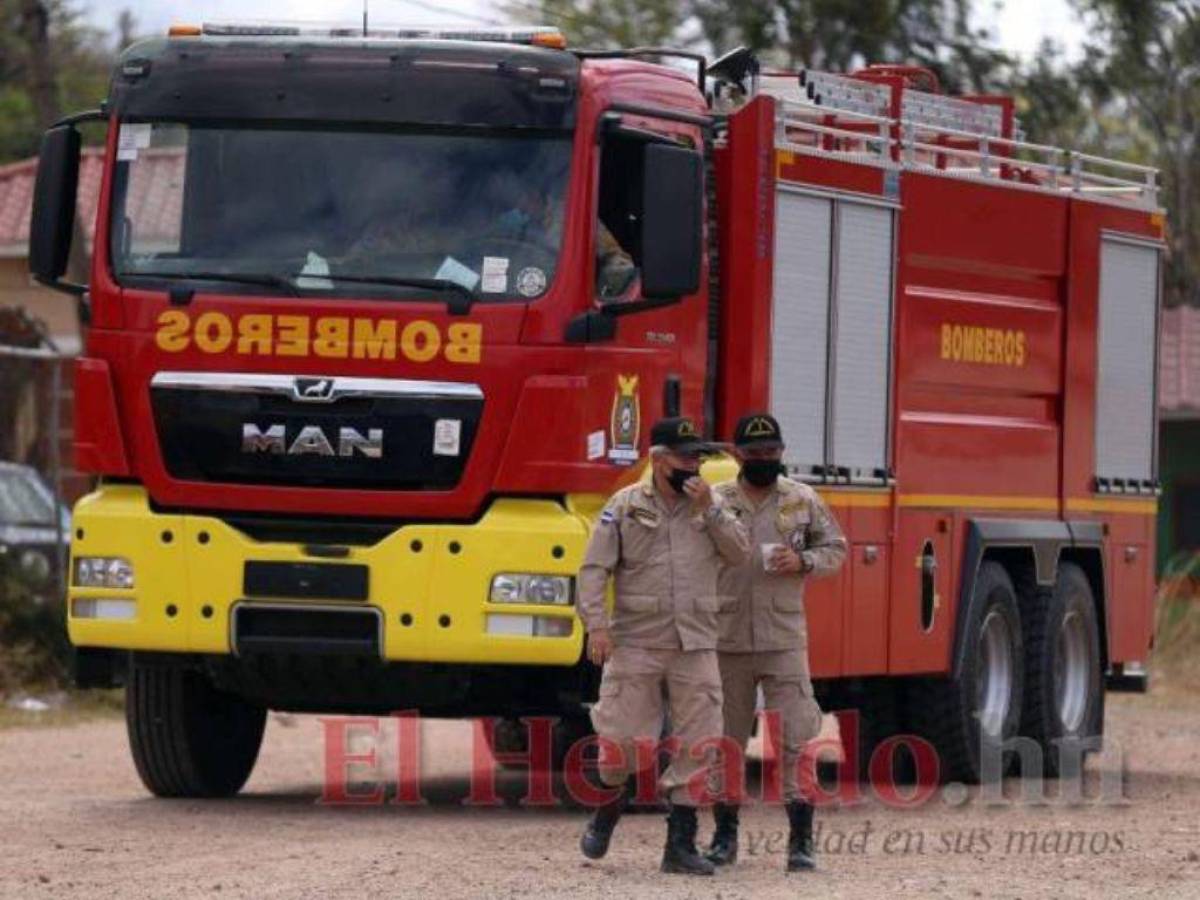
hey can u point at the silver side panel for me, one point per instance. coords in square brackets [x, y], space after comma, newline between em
[863, 319]
[800, 319]
[1129, 281]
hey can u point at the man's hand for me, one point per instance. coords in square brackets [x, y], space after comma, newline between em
[600, 646]
[700, 493]
[786, 561]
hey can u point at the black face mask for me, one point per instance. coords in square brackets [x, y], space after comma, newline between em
[762, 472]
[677, 478]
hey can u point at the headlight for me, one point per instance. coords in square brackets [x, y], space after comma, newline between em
[103, 572]
[548, 589]
[507, 589]
[521, 587]
[35, 566]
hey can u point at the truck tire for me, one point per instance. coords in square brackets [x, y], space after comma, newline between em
[879, 707]
[511, 736]
[1063, 708]
[980, 709]
[189, 739]
[884, 716]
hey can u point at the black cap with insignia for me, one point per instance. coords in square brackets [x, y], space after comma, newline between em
[678, 434]
[758, 430]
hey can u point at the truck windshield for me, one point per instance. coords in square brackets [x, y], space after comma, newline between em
[317, 209]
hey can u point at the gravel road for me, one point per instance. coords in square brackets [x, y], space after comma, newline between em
[77, 822]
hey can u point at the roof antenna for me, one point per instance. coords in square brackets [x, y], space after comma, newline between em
[364, 18]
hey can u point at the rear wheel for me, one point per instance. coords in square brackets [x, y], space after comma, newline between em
[1064, 694]
[878, 710]
[969, 719]
[189, 739]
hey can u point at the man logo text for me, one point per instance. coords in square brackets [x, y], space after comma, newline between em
[311, 439]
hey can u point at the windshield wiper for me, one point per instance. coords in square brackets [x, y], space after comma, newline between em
[459, 306]
[181, 296]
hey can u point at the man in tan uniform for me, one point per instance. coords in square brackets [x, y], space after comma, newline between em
[662, 542]
[764, 637]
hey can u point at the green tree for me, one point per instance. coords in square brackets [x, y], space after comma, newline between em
[1141, 70]
[838, 35]
[842, 35]
[606, 24]
[757, 24]
[50, 64]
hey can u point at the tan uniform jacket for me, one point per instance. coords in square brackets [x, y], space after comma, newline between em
[761, 610]
[664, 563]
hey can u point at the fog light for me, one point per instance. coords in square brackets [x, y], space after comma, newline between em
[552, 626]
[529, 626]
[103, 571]
[524, 587]
[103, 608]
[501, 624]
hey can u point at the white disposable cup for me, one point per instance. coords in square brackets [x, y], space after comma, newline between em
[767, 550]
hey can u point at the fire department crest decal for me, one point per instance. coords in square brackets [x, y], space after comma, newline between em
[625, 422]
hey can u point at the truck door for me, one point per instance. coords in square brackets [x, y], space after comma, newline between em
[654, 364]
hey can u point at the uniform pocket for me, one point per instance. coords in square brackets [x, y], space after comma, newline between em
[728, 603]
[638, 537]
[606, 713]
[793, 526]
[637, 603]
[707, 603]
[787, 601]
[792, 696]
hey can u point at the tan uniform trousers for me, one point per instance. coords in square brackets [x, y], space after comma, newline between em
[632, 706]
[786, 687]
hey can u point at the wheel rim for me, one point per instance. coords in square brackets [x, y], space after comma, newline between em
[1071, 669]
[996, 673]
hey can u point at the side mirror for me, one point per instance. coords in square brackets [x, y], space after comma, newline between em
[54, 207]
[672, 221]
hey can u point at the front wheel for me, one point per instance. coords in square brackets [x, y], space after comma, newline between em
[972, 719]
[1064, 694]
[512, 736]
[189, 739]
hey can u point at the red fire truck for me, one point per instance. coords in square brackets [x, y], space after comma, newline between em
[378, 320]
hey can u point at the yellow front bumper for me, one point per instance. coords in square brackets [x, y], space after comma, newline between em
[430, 582]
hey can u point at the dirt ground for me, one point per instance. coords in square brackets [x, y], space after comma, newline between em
[75, 820]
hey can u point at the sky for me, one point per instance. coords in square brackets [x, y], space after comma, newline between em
[1019, 25]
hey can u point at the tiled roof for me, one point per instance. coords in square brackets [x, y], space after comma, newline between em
[154, 196]
[1179, 361]
[16, 199]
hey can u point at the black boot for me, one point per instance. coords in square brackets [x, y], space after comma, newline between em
[594, 842]
[680, 856]
[723, 849]
[800, 839]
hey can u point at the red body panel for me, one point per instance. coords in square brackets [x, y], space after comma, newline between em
[993, 390]
[99, 442]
